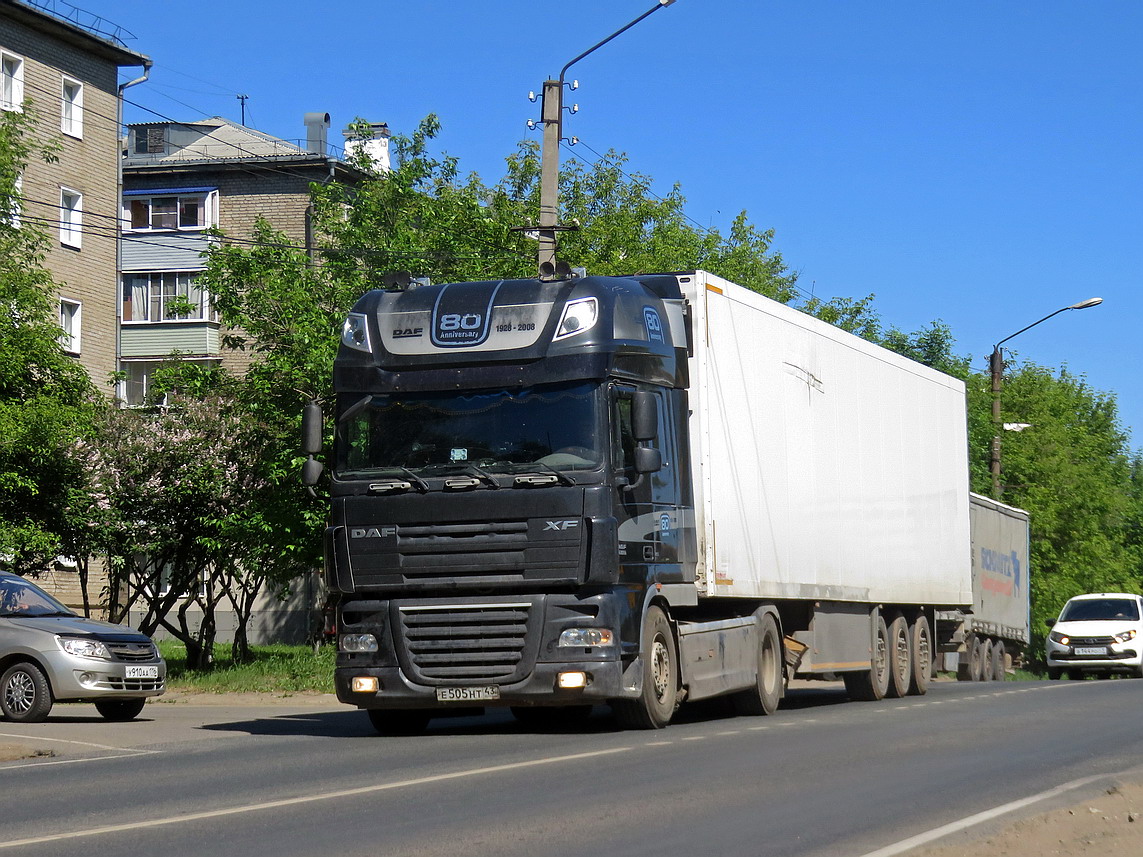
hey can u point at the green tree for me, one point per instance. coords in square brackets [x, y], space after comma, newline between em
[46, 398]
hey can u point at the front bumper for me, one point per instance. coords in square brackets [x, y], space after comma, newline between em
[74, 679]
[1118, 658]
[605, 681]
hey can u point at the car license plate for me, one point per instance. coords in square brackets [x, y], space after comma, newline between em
[1090, 650]
[143, 672]
[467, 694]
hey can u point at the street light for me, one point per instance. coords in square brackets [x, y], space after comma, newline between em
[996, 365]
[551, 117]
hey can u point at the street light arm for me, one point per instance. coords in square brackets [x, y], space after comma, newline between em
[655, 8]
[1090, 302]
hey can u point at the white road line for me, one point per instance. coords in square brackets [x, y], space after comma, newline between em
[25, 764]
[299, 801]
[971, 821]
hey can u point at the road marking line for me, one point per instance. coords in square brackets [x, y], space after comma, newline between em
[971, 821]
[35, 762]
[305, 799]
[81, 743]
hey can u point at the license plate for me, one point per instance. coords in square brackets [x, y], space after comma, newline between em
[143, 672]
[1090, 650]
[467, 694]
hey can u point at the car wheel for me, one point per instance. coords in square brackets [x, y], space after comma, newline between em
[24, 694]
[1075, 675]
[120, 709]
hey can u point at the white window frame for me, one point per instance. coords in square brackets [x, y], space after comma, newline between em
[71, 323]
[144, 298]
[71, 109]
[71, 217]
[11, 81]
[207, 204]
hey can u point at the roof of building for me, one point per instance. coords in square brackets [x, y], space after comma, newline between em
[74, 26]
[216, 138]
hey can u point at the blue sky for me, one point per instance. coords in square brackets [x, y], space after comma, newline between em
[975, 162]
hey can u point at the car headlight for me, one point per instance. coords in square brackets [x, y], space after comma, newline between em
[1125, 636]
[358, 643]
[82, 647]
[586, 637]
[1057, 637]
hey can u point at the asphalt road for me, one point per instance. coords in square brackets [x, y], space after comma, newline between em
[821, 777]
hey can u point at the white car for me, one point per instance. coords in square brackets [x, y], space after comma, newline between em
[1101, 633]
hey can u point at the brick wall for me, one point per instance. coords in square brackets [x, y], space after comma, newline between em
[88, 166]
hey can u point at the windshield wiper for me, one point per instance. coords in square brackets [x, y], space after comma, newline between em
[561, 477]
[416, 481]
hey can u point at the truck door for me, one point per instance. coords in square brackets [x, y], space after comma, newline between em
[650, 518]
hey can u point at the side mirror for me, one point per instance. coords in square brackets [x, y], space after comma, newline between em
[311, 472]
[1051, 623]
[311, 429]
[645, 416]
[648, 459]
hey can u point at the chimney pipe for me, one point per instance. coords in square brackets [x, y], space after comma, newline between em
[317, 132]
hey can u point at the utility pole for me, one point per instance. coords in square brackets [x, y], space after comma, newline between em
[551, 117]
[243, 99]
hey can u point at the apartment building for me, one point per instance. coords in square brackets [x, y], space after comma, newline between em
[180, 179]
[63, 66]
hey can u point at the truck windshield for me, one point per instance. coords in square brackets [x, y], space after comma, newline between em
[543, 427]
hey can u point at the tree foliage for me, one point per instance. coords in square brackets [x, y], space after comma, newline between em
[46, 397]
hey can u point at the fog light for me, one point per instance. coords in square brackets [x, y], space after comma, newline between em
[88, 679]
[570, 681]
[365, 684]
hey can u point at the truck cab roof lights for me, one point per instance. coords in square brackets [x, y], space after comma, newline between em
[355, 332]
[578, 316]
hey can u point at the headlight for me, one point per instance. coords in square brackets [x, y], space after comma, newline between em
[585, 637]
[1125, 636]
[358, 643]
[578, 316]
[1056, 637]
[82, 647]
[355, 332]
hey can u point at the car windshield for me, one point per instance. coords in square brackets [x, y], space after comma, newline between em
[1101, 609]
[506, 430]
[21, 598]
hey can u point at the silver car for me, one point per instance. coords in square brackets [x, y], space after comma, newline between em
[48, 654]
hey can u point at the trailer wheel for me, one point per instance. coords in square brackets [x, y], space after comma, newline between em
[998, 665]
[660, 696]
[399, 721]
[986, 651]
[763, 697]
[922, 648]
[969, 667]
[870, 685]
[900, 659]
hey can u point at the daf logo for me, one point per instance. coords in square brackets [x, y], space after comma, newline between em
[372, 532]
[407, 332]
[560, 525]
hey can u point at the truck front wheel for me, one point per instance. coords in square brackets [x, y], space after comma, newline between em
[659, 698]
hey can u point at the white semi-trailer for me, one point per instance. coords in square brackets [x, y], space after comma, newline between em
[633, 491]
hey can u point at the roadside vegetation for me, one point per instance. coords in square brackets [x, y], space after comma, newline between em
[277, 669]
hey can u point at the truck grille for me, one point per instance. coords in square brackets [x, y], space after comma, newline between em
[467, 643]
[469, 554]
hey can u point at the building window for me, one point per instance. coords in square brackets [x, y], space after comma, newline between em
[71, 314]
[10, 207]
[165, 296]
[11, 81]
[71, 217]
[150, 140]
[71, 107]
[138, 388]
[168, 212]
